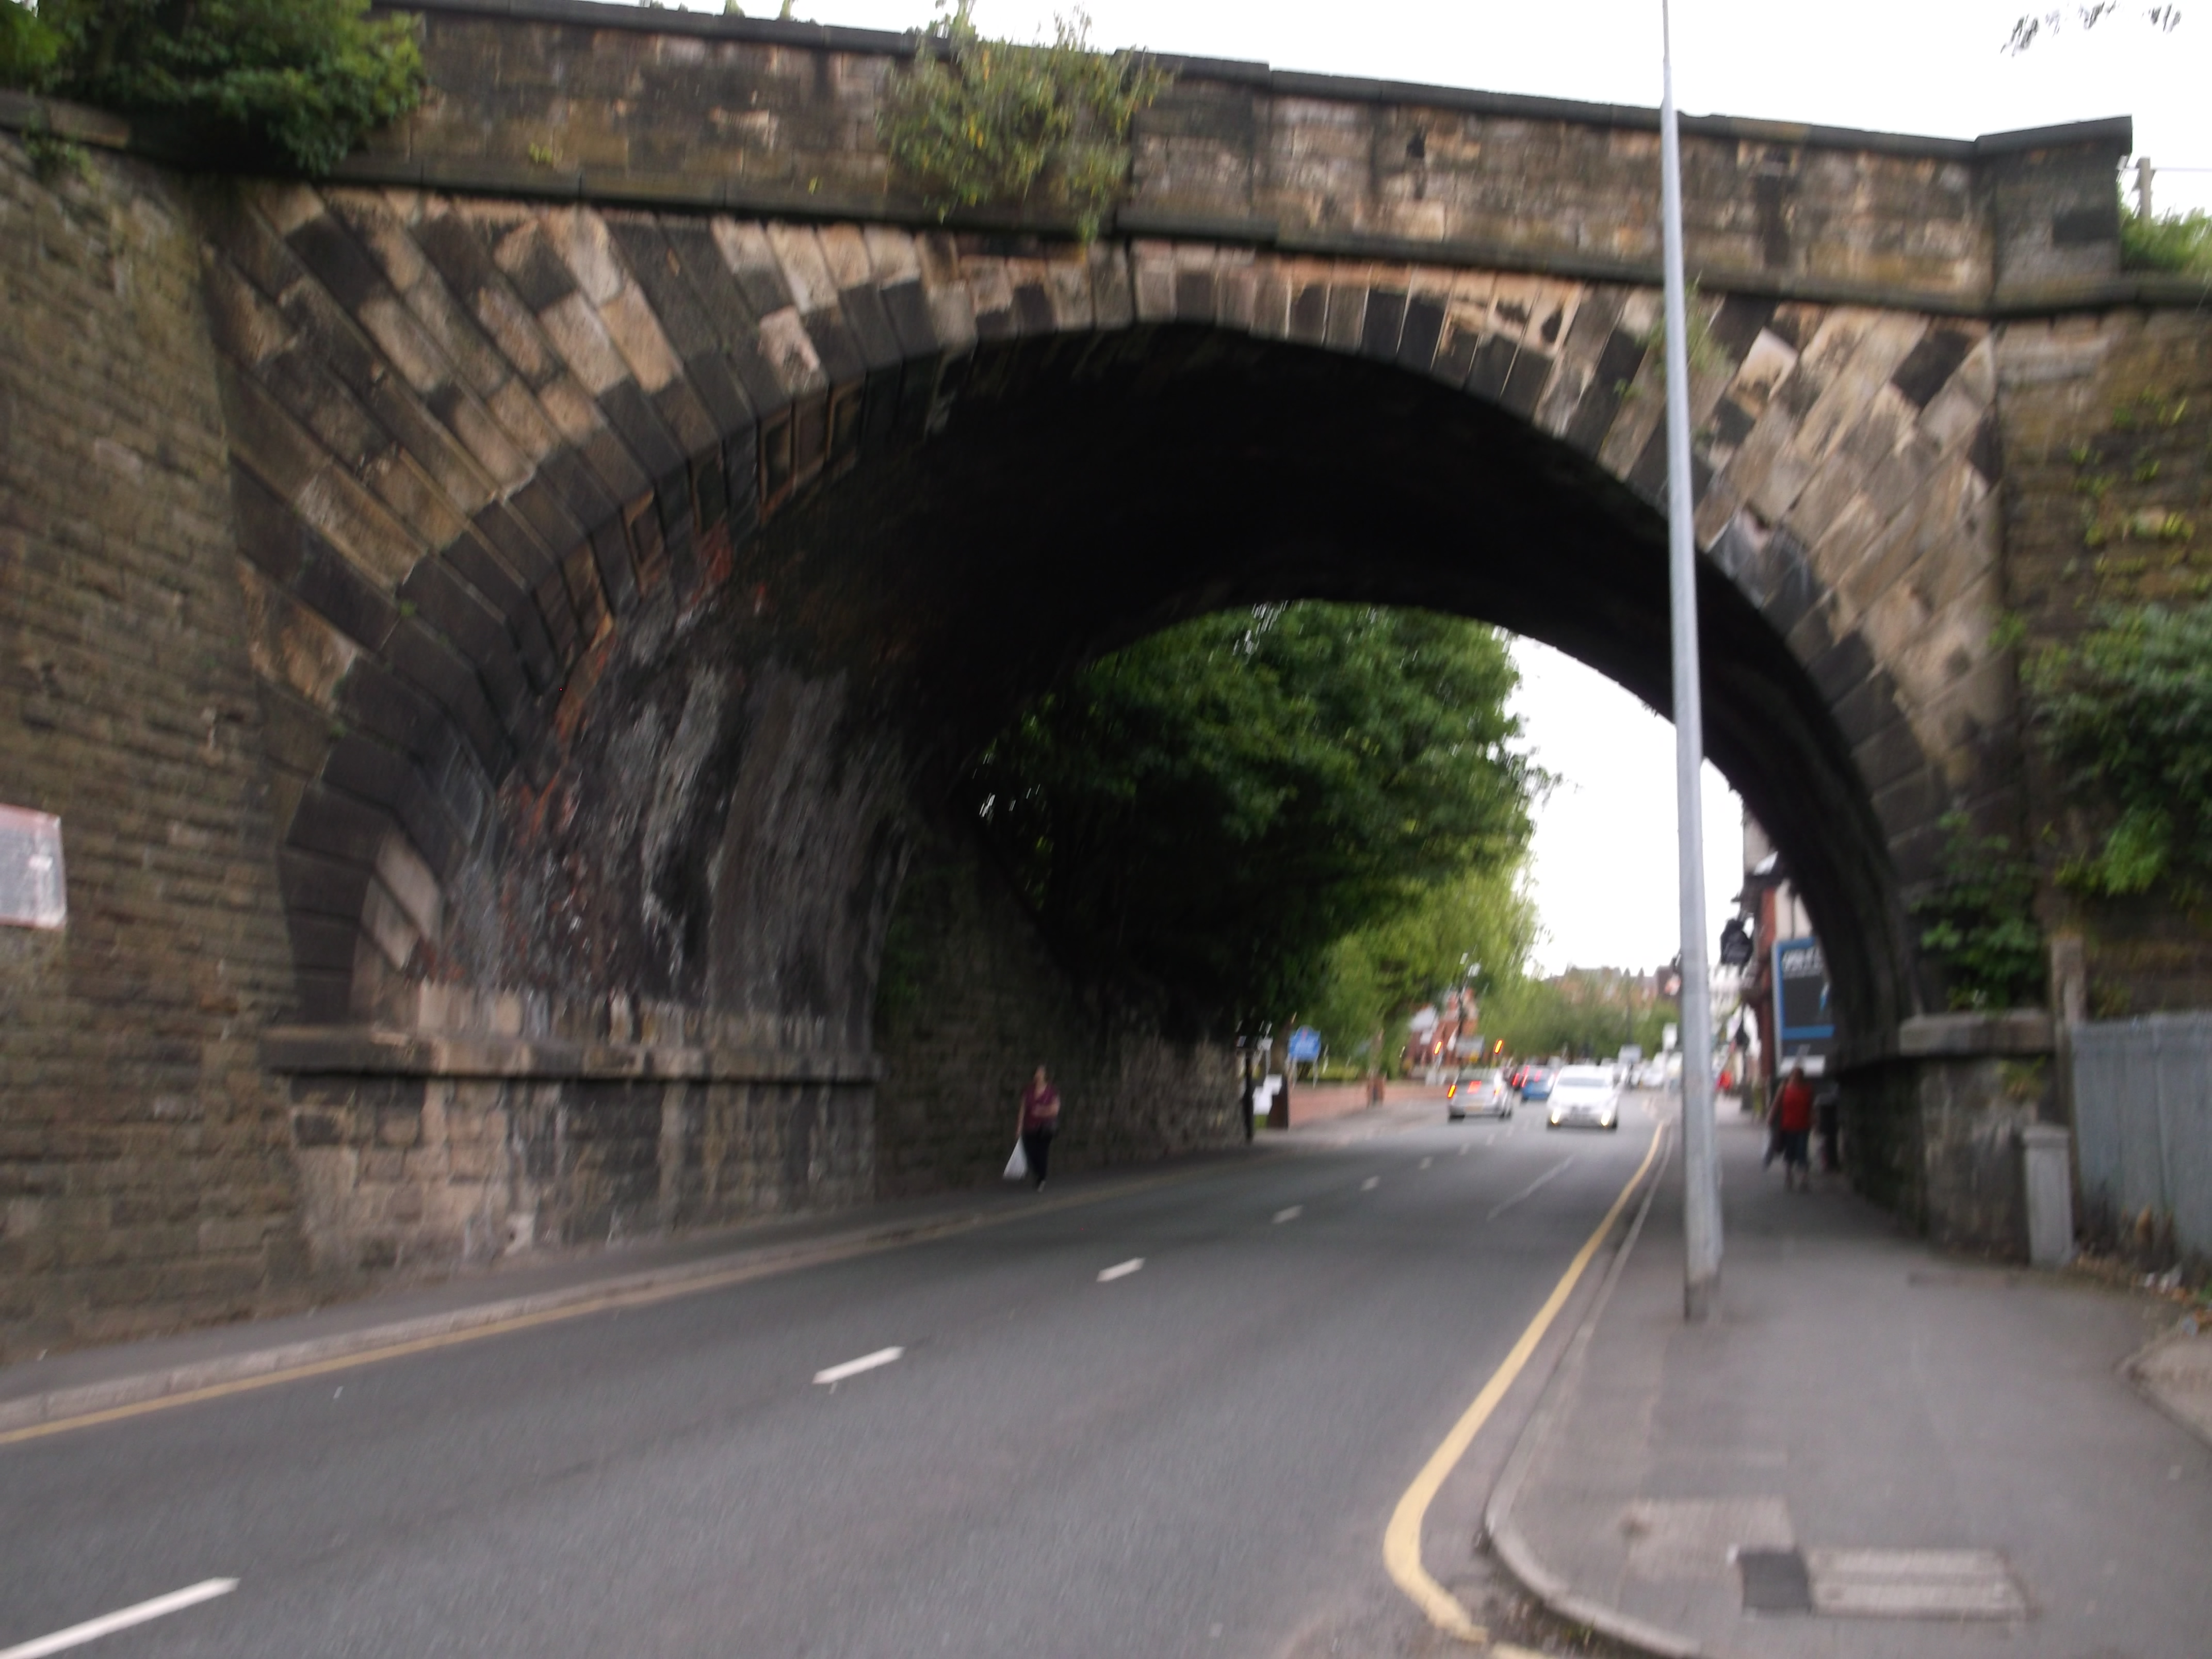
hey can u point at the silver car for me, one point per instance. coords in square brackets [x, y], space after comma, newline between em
[1478, 1091]
[1584, 1094]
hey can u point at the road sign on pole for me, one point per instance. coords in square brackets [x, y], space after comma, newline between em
[1701, 1197]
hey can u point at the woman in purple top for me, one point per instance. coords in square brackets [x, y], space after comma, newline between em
[1040, 1121]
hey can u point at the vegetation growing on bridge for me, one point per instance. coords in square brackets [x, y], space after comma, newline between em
[1978, 921]
[2128, 711]
[977, 122]
[1262, 812]
[301, 79]
[2179, 243]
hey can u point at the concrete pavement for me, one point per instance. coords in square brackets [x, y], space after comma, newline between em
[1871, 1428]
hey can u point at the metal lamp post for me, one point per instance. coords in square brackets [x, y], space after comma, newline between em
[1701, 1197]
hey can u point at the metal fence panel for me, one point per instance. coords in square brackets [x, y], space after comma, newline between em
[2143, 1108]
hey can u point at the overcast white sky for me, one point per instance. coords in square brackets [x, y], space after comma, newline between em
[1604, 867]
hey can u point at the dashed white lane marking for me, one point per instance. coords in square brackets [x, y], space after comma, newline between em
[1462, 1151]
[1427, 1162]
[1533, 1188]
[1371, 1183]
[866, 1362]
[107, 1623]
[1121, 1270]
[1290, 1214]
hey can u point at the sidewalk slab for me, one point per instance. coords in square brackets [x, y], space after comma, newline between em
[1947, 1457]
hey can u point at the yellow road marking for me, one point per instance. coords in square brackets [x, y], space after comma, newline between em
[1402, 1540]
[640, 1296]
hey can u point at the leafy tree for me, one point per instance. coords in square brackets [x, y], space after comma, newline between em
[1582, 1013]
[973, 121]
[1473, 929]
[1209, 812]
[2127, 712]
[303, 77]
[1980, 921]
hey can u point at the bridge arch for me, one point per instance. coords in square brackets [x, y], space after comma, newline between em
[619, 577]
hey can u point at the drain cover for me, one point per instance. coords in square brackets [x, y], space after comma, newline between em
[1912, 1584]
[1774, 1580]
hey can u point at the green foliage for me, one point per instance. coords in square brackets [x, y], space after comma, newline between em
[972, 121]
[306, 78]
[28, 49]
[1979, 922]
[1585, 1014]
[2176, 242]
[2127, 712]
[1473, 928]
[1208, 812]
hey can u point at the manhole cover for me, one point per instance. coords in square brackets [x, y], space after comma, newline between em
[1774, 1580]
[1912, 1584]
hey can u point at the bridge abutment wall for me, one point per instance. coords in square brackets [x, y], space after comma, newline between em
[146, 1170]
[971, 1001]
[483, 822]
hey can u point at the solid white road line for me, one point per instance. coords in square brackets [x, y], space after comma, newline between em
[93, 1629]
[866, 1362]
[1533, 1188]
[1290, 1214]
[1371, 1183]
[1121, 1270]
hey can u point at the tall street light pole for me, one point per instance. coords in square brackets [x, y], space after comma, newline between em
[1701, 1196]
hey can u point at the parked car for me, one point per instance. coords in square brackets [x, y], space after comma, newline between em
[1585, 1094]
[1478, 1091]
[1536, 1083]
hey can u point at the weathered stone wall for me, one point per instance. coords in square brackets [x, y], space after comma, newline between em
[616, 103]
[2107, 424]
[1931, 1129]
[972, 1001]
[146, 1178]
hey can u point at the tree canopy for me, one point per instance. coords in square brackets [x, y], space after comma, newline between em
[1211, 812]
[304, 78]
[1588, 1013]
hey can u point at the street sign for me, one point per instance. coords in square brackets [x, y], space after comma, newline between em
[1305, 1043]
[1735, 944]
[1804, 1027]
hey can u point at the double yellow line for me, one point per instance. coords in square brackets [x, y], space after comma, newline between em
[1402, 1540]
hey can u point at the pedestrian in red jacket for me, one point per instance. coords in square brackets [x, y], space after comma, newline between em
[1040, 1121]
[1793, 1116]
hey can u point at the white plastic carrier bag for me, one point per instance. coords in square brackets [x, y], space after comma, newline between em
[1017, 1166]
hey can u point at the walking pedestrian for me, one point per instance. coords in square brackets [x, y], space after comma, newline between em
[1040, 1121]
[1793, 1117]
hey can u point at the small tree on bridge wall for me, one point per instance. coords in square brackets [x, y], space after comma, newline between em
[977, 122]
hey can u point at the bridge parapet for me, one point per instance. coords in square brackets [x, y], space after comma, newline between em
[621, 104]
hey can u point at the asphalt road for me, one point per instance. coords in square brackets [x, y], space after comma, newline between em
[1198, 1457]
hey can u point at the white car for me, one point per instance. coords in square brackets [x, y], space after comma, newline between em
[1585, 1094]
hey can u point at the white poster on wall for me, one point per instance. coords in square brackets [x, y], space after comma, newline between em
[34, 889]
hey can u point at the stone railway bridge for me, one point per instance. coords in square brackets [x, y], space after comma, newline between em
[496, 623]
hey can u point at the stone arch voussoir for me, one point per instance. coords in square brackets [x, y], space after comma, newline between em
[473, 440]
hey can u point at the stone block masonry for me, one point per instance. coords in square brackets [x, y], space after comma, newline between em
[2107, 424]
[146, 1177]
[971, 1001]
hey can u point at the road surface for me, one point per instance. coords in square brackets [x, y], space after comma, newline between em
[1148, 1417]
